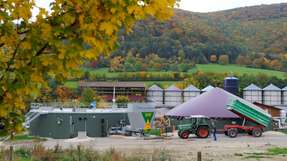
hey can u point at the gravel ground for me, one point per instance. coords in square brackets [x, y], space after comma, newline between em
[225, 149]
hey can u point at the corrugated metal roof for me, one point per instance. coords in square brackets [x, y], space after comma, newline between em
[112, 84]
[208, 88]
[271, 87]
[192, 88]
[155, 88]
[252, 87]
[173, 88]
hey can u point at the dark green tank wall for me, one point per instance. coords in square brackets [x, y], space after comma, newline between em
[67, 125]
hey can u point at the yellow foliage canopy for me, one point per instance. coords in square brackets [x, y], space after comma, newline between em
[55, 44]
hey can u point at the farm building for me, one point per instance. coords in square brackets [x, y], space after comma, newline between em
[190, 92]
[272, 110]
[284, 96]
[252, 93]
[136, 91]
[155, 94]
[62, 123]
[207, 88]
[213, 104]
[172, 96]
[272, 95]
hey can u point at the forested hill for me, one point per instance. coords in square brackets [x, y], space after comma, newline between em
[254, 32]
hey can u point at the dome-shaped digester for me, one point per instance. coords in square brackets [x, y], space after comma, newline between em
[190, 92]
[155, 94]
[272, 95]
[173, 96]
[207, 88]
[231, 85]
[284, 96]
[252, 93]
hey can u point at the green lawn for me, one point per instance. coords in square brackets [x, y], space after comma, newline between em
[206, 68]
[234, 69]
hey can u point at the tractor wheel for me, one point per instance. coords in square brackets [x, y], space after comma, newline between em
[202, 132]
[232, 132]
[184, 135]
[257, 132]
[225, 133]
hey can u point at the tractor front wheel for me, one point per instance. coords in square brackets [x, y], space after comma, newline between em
[232, 132]
[202, 132]
[184, 135]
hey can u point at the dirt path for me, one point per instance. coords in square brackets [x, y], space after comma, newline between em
[225, 149]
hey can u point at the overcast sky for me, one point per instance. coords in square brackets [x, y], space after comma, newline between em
[204, 5]
[216, 5]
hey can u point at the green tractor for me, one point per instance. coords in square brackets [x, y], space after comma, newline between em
[197, 124]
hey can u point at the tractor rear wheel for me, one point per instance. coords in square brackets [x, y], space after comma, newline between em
[202, 132]
[232, 132]
[184, 135]
[257, 132]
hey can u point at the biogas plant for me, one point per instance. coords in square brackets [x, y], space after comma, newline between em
[189, 111]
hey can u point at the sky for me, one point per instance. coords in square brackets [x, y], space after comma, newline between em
[203, 5]
[217, 5]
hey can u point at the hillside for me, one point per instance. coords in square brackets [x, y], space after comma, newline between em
[258, 32]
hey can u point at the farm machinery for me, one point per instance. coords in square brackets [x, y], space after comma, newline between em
[198, 125]
[201, 125]
[260, 118]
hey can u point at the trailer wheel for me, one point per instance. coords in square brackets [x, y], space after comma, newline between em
[257, 132]
[184, 135]
[202, 132]
[232, 132]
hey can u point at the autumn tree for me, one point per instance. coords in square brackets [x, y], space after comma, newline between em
[223, 59]
[213, 58]
[116, 63]
[55, 43]
[63, 93]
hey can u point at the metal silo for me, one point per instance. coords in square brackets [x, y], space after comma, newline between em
[284, 96]
[272, 95]
[190, 92]
[207, 88]
[155, 94]
[231, 85]
[172, 96]
[252, 93]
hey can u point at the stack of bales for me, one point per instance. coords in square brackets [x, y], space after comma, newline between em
[173, 96]
[252, 93]
[155, 94]
[272, 95]
[190, 92]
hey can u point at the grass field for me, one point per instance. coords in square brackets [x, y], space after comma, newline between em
[206, 68]
[234, 69]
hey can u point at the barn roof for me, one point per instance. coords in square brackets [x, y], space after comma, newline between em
[271, 87]
[212, 103]
[284, 89]
[113, 84]
[252, 87]
[192, 88]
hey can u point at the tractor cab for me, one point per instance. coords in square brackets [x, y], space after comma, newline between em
[195, 124]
